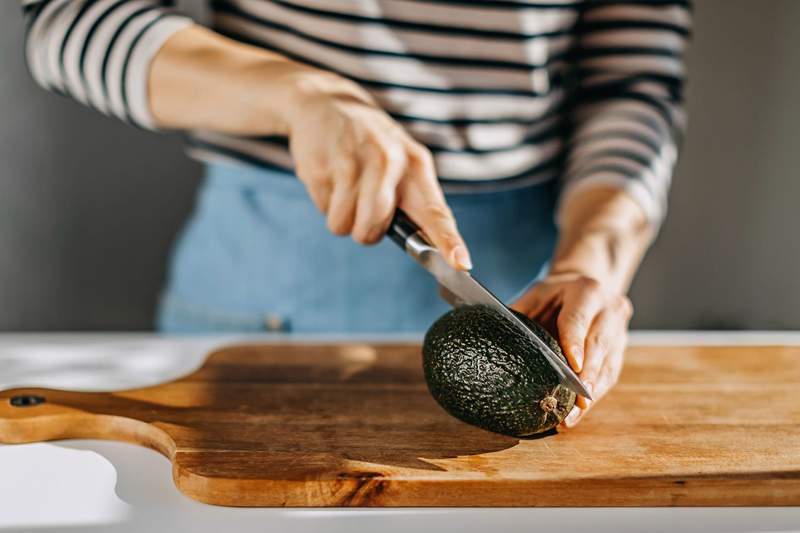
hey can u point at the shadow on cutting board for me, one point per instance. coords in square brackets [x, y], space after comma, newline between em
[296, 412]
[314, 411]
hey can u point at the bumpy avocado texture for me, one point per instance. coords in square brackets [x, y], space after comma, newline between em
[482, 370]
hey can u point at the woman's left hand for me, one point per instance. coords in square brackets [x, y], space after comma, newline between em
[591, 321]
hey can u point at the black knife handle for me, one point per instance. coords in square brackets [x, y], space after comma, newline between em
[401, 228]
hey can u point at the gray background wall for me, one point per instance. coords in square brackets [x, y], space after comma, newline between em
[83, 239]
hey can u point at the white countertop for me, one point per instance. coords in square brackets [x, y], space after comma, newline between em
[95, 486]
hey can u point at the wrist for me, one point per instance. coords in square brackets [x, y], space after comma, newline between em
[276, 95]
[307, 88]
[603, 236]
[265, 89]
[202, 80]
[593, 255]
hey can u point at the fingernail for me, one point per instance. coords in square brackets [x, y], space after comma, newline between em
[462, 258]
[577, 354]
[572, 417]
[582, 401]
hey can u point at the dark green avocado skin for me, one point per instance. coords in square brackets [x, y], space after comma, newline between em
[482, 370]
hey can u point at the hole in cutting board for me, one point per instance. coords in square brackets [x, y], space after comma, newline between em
[27, 400]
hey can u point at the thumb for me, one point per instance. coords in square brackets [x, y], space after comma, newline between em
[422, 199]
[437, 222]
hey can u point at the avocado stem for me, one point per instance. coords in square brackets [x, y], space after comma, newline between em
[548, 404]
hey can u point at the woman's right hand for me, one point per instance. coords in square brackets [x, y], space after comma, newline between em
[359, 165]
[356, 162]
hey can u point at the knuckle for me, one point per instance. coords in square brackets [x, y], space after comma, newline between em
[599, 341]
[396, 155]
[420, 154]
[438, 212]
[391, 155]
[573, 319]
[626, 306]
[589, 284]
[384, 204]
[451, 240]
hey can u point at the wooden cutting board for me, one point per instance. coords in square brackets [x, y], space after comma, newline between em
[354, 425]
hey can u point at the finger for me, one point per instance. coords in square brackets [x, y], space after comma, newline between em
[320, 193]
[381, 173]
[541, 303]
[585, 403]
[578, 311]
[573, 417]
[342, 205]
[546, 309]
[424, 202]
[547, 318]
[534, 301]
[544, 306]
[609, 373]
[522, 305]
[607, 332]
[317, 182]
[606, 378]
[437, 222]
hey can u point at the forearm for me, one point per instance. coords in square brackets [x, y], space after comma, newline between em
[627, 122]
[603, 235]
[202, 80]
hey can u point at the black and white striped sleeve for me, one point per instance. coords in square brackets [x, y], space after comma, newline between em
[628, 116]
[99, 51]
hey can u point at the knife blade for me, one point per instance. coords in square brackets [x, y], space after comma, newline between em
[460, 288]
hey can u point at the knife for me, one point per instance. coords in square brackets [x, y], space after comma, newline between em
[460, 288]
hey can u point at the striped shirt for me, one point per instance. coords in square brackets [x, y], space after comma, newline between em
[504, 93]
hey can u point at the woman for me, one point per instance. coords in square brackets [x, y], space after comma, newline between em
[547, 129]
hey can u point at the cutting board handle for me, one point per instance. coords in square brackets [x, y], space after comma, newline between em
[38, 415]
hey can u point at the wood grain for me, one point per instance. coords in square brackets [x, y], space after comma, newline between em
[354, 425]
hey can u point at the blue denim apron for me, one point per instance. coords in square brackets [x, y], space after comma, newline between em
[256, 256]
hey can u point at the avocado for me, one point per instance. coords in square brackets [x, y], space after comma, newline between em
[482, 370]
